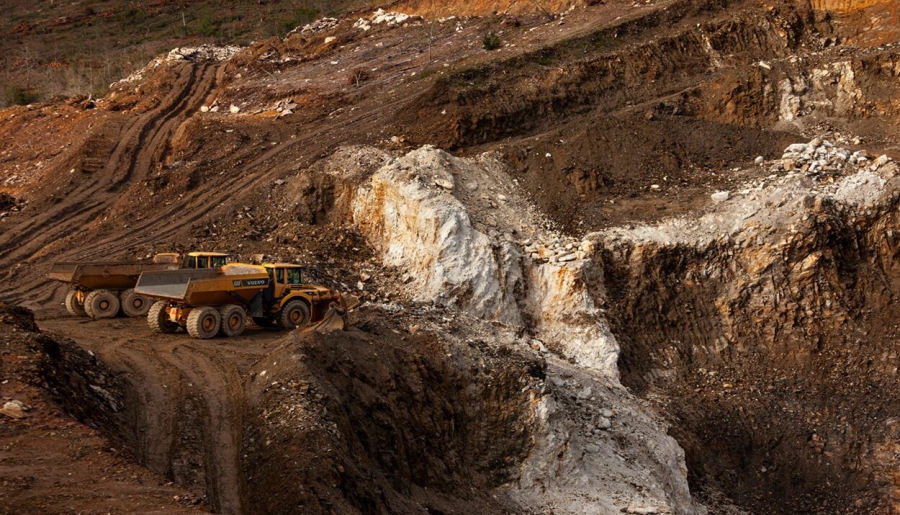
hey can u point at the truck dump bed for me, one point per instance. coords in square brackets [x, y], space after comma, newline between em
[100, 275]
[204, 287]
[170, 284]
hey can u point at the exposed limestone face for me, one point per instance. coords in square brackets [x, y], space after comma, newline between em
[420, 227]
[408, 212]
[566, 316]
[596, 449]
[611, 460]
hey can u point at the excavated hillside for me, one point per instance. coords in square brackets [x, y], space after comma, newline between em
[612, 256]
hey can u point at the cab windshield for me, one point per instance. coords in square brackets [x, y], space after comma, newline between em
[293, 276]
[217, 261]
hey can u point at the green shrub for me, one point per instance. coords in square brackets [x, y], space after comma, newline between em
[490, 41]
[205, 26]
[300, 16]
[15, 95]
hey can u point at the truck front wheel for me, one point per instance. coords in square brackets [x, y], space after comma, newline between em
[203, 322]
[158, 318]
[294, 314]
[73, 305]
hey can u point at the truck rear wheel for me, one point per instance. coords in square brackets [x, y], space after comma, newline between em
[101, 304]
[294, 314]
[73, 305]
[234, 320]
[134, 304]
[158, 318]
[203, 322]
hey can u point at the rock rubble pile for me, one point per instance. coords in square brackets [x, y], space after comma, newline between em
[320, 25]
[823, 159]
[557, 250]
[203, 53]
[381, 17]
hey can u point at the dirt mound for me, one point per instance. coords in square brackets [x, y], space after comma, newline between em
[377, 420]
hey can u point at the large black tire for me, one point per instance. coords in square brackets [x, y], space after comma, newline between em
[203, 322]
[158, 318]
[294, 314]
[101, 304]
[73, 305]
[234, 320]
[134, 304]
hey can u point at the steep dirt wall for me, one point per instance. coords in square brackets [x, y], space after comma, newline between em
[776, 341]
[365, 422]
[860, 93]
[605, 71]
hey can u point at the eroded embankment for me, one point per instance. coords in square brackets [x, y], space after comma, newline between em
[370, 419]
[769, 328]
[373, 420]
[605, 71]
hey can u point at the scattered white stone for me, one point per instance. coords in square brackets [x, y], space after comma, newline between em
[380, 17]
[234, 109]
[14, 409]
[203, 53]
[720, 196]
[444, 183]
[320, 25]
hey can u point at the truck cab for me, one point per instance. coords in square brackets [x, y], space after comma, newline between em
[194, 260]
[284, 277]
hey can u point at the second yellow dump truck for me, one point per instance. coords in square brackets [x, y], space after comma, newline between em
[211, 302]
[102, 289]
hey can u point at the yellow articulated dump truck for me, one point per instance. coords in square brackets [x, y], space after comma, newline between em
[102, 289]
[211, 302]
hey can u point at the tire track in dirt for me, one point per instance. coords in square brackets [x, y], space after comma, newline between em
[158, 391]
[168, 221]
[89, 199]
[164, 372]
[198, 204]
[219, 384]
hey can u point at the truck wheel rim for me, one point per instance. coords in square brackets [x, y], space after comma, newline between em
[137, 303]
[104, 305]
[208, 323]
[234, 321]
[296, 316]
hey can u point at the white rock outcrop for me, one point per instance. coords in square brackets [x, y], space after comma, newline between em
[409, 213]
[420, 227]
[565, 316]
